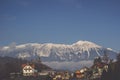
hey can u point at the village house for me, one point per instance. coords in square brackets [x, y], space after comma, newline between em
[28, 70]
[62, 75]
[81, 73]
[46, 72]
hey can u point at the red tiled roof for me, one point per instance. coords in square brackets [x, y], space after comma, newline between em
[23, 65]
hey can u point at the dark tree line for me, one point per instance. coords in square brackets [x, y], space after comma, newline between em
[13, 65]
[9, 65]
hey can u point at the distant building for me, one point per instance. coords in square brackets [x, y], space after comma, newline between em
[46, 72]
[81, 73]
[62, 75]
[28, 70]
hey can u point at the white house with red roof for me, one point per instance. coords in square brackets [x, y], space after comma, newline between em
[28, 70]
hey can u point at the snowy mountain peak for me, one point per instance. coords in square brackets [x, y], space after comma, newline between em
[86, 44]
[81, 42]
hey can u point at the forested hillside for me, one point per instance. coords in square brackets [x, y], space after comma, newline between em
[13, 65]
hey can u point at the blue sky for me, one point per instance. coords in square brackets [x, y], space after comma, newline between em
[60, 21]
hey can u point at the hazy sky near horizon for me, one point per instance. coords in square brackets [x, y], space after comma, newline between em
[60, 21]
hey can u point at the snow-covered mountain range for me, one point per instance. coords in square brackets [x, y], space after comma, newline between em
[81, 50]
[59, 56]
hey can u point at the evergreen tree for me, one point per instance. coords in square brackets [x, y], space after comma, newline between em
[97, 60]
[117, 68]
[105, 58]
[118, 57]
